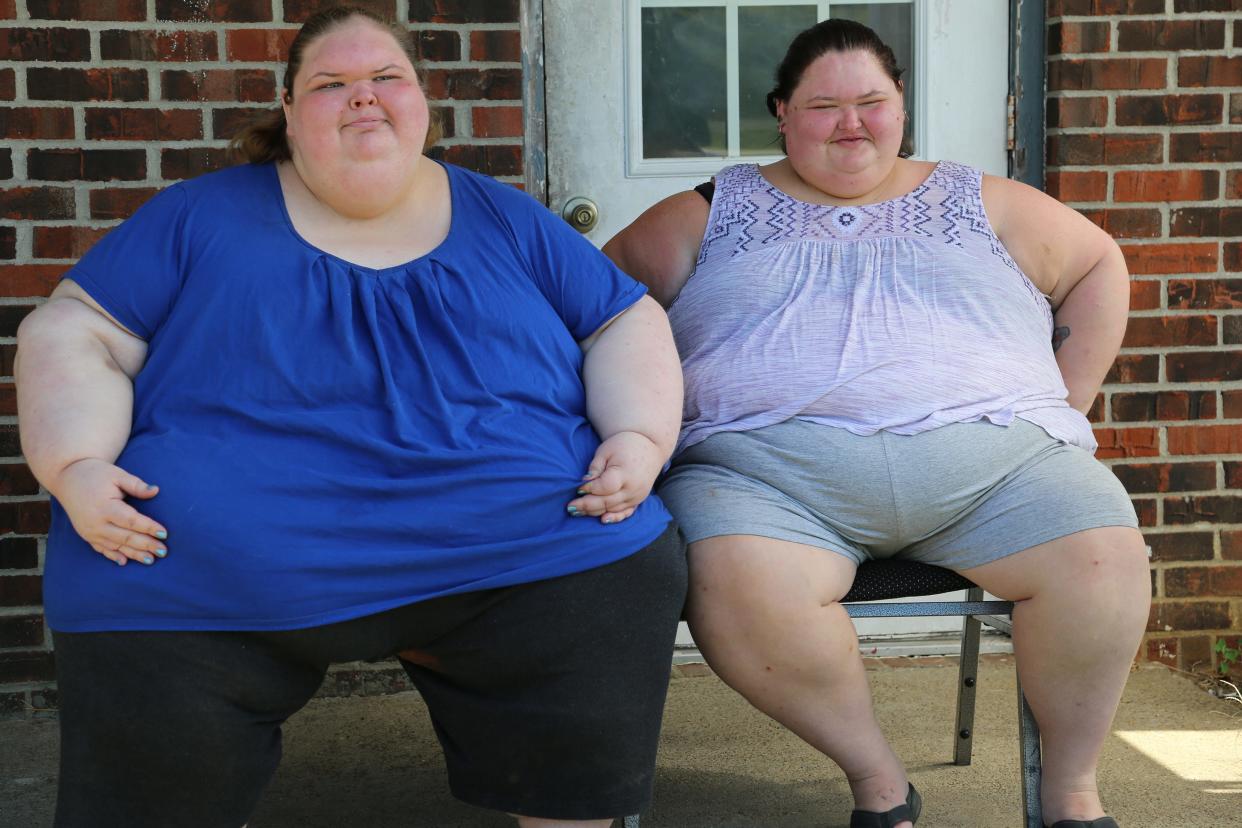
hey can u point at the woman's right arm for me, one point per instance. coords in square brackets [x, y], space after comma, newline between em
[74, 368]
[661, 246]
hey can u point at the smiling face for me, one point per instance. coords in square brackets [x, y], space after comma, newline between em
[355, 99]
[844, 118]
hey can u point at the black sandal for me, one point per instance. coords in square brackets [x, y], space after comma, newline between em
[908, 811]
[1102, 822]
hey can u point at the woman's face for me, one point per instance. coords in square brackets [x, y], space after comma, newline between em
[356, 98]
[845, 114]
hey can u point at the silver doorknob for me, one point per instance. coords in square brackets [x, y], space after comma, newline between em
[581, 213]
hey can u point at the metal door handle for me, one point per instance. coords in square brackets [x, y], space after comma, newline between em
[581, 213]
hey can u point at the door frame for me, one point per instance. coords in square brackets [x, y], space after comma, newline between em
[1027, 71]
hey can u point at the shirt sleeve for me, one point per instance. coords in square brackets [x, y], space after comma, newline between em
[582, 284]
[135, 272]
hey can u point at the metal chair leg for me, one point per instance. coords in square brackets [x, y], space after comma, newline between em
[967, 674]
[631, 821]
[1032, 763]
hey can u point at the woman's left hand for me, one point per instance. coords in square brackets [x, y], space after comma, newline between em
[619, 479]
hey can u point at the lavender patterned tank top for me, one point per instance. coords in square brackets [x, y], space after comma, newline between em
[903, 316]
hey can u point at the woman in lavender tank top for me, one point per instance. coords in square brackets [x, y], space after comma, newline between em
[864, 300]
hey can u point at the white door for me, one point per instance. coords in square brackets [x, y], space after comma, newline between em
[646, 98]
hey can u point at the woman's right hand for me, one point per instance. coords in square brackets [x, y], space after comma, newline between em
[92, 493]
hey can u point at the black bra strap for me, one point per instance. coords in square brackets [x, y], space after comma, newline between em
[707, 189]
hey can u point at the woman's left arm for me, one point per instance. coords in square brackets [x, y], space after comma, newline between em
[1079, 267]
[633, 394]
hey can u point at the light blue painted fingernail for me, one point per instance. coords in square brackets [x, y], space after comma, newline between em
[581, 492]
[573, 511]
[159, 553]
[161, 534]
[147, 559]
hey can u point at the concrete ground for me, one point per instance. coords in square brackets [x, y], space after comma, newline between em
[1174, 759]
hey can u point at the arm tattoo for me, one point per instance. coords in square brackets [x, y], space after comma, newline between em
[1059, 335]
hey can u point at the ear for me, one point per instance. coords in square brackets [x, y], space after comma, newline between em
[781, 110]
[286, 102]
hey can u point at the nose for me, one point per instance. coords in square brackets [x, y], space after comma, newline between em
[362, 95]
[849, 118]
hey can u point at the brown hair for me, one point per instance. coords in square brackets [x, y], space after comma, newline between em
[264, 139]
[834, 35]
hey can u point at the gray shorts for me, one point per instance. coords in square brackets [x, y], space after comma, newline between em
[957, 496]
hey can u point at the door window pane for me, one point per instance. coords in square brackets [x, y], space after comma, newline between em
[685, 93]
[763, 35]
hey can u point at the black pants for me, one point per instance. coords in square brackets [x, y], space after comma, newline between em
[547, 699]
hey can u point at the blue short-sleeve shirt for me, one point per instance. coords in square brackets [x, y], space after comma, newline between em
[332, 440]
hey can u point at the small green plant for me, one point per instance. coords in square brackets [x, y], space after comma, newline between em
[1228, 657]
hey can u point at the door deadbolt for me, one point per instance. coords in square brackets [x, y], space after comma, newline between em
[581, 213]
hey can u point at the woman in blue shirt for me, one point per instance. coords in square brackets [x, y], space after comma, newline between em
[338, 403]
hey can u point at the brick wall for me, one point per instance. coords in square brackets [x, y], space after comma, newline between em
[102, 102]
[1145, 138]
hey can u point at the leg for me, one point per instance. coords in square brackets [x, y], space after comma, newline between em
[1082, 606]
[535, 822]
[170, 728]
[765, 614]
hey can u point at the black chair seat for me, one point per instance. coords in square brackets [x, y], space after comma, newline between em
[877, 580]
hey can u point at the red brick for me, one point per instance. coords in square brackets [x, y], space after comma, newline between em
[30, 279]
[1099, 148]
[1206, 146]
[26, 666]
[1158, 331]
[497, 121]
[1145, 510]
[8, 242]
[21, 630]
[1169, 35]
[1126, 442]
[34, 517]
[438, 44]
[1134, 369]
[464, 11]
[1095, 414]
[128, 124]
[1208, 70]
[46, 123]
[1145, 478]
[187, 163]
[1161, 650]
[19, 553]
[8, 9]
[1233, 474]
[217, 11]
[1063, 186]
[1189, 615]
[1110, 73]
[1205, 439]
[496, 45]
[86, 165]
[474, 84]
[16, 479]
[8, 84]
[43, 45]
[445, 118]
[1231, 330]
[1235, 108]
[1150, 110]
[487, 159]
[11, 316]
[1170, 258]
[1077, 112]
[1141, 406]
[1191, 6]
[1233, 256]
[227, 122]
[118, 203]
[158, 46]
[1129, 224]
[245, 85]
[1205, 293]
[86, 84]
[6, 163]
[1231, 545]
[1204, 366]
[1165, 185]
[128, 10]
[1202, 581]
[1206, 221]
[1145, 294]
[296, 11]
[1232, 404]
[21, 591]
[1180, 546]
[65, 242]
[1058, 8]
[259, 45]
[38, 203]
[8, 400]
